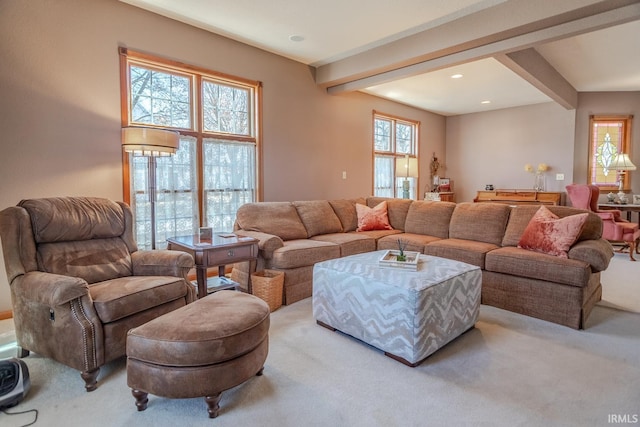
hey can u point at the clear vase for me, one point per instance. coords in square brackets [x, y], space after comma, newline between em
[538, 182]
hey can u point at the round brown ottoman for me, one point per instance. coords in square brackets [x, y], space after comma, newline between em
[199, 350]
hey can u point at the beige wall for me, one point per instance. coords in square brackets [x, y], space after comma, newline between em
[60, 106]
[493, 148]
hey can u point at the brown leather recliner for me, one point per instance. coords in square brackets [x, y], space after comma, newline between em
[79, 283]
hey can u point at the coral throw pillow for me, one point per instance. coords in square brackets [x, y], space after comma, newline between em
[551, 235]
[375, 218]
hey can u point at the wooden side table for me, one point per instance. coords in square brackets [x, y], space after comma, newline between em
[217, 251]
[447, 196]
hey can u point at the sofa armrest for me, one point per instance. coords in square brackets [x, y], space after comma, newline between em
[267, 242]
[610, 216]
[49, 289]
[161, 263]
[597, 253]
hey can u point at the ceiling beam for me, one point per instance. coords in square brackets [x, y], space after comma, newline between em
[532, 67]
[481, 35]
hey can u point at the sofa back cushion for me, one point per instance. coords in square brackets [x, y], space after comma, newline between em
[482, 222]
[346, 211]
[318, 217]
[63, 219]
[80, 237]
[397, 210]
[93, 260]
[278, 218]
[429, 218]
[521, 216]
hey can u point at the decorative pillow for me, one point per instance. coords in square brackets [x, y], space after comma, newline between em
[375, 218]
[549, 234]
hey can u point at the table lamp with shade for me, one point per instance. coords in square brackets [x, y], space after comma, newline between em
[151, 143]
[406, 167]
[622, 163]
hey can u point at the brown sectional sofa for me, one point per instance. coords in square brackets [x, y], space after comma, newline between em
[296, 235]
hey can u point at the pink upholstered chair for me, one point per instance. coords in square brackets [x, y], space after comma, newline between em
[614, 228]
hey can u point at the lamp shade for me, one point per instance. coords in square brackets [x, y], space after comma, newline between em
[149, 141]
[407, 167]
[622, 162]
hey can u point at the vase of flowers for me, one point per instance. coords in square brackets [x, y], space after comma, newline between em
[539, 176]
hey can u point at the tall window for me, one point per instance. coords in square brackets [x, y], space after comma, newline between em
[608, 136]
[393, 138]
[215, 168]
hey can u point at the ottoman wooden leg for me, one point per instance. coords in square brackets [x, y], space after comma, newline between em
[213, 404]
[141, 399]
[259, 373]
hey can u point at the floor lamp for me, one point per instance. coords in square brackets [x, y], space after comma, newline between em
[406, 167]
[151, 143]
[622, 163]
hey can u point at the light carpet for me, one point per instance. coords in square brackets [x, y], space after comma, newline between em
[511, 370]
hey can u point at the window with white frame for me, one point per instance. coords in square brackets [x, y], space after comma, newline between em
[393, 138]
[214, 170]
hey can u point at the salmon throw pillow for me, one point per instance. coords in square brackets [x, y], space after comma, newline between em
[549, 234]
[375, 218]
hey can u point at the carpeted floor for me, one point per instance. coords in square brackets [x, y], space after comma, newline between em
[510, 370]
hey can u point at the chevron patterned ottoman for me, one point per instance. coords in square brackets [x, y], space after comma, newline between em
[407, 314]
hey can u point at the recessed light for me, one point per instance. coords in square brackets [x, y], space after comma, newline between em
[485, 102]
[296, 38]
[456, 76]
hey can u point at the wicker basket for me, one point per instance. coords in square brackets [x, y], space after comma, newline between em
[267, 285]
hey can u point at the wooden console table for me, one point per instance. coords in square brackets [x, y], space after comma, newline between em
[520, 197]
[217, 251]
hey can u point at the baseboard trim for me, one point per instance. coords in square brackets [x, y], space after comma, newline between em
[6, 315]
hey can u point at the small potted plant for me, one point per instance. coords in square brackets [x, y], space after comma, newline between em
[401, 256]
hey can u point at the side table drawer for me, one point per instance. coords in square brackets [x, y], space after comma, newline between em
[230, 255]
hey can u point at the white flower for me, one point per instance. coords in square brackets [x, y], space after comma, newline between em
[542, 167]
[528, 168]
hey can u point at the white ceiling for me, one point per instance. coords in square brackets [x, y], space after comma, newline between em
[593, 44]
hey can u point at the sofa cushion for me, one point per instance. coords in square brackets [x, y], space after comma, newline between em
[318, 217]
[429, 218]
[303, 252]
[482, 222]
[551, 235]
[397, 210]
[346, 211]
[378, 234]
[414, 242]
[125, 296]
[350, 243]
[469, 251]
[374, 218]
[535, 265]
[522, 214]
[278, 218]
